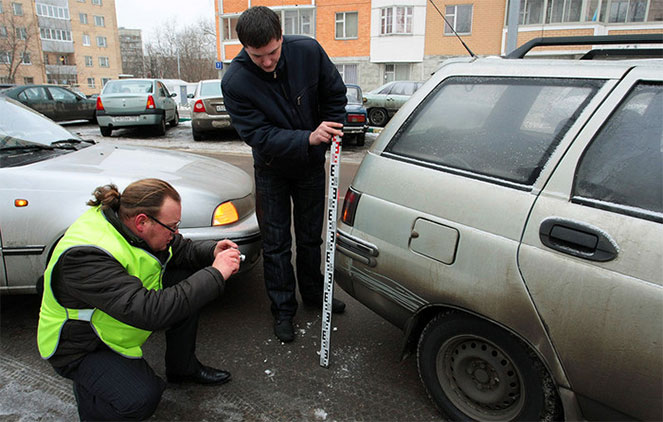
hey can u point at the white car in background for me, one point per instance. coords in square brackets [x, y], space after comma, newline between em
[208, 112]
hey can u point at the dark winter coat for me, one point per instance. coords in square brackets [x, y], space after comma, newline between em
[276, 112]
[86, 277]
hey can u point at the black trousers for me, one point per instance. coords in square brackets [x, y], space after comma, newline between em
[108, 386]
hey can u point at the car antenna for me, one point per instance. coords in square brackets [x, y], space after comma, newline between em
[453, 29]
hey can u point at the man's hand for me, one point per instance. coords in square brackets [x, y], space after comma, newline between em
[324, 133]
[224, 244]
[227, 262]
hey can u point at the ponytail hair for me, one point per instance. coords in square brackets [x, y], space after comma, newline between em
[145, 196]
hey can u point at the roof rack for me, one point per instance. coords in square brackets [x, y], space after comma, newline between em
[521, 51]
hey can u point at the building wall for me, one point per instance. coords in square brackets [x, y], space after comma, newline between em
[112, 50]
[26, 72]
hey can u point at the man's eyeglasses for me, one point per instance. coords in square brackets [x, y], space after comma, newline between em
[170, 229]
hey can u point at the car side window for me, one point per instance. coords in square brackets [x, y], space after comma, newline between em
[33, 94]
[59, 94]
[622, 168]
[387, 89]
[161, 89]
[503, 129]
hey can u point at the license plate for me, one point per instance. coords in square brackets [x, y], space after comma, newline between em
[220, 108]
[126, 118]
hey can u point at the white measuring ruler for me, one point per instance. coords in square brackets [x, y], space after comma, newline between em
[328, 290]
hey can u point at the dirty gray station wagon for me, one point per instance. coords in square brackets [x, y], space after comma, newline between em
[509, 219]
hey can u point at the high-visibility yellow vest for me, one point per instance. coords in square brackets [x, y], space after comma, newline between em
[93, 230]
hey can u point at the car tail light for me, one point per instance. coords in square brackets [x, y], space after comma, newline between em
[100, 106]
[356, 118]
[150, 102]
[225, 213]
[199, 107]
[350, 206]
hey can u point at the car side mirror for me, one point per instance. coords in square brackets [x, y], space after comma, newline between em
[189, 95]
[173, 95]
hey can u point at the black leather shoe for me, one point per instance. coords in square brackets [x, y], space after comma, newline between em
[338, 307]
[206, 375]
[284, 330]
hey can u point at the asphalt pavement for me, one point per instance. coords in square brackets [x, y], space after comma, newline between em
[272, 381]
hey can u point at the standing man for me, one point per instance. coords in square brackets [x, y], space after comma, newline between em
[105, 291]
[286, 100]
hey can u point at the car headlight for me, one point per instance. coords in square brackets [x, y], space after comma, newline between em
[232, 211]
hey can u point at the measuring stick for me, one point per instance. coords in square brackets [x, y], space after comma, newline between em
[328, 292]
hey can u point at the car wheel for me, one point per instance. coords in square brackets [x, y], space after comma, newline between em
[360, 139]
[160, 129]
[378, 116]
[105, 131]
[176, 119]
[197, 136]
[475, 370]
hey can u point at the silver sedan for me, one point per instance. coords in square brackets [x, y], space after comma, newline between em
[48, 175]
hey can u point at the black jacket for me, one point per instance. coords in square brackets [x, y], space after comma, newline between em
[86, 277]
[275, 112]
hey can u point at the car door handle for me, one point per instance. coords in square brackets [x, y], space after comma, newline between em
[577, 239]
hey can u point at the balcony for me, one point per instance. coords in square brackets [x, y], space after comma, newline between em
[55, 69]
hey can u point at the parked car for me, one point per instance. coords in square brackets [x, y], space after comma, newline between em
[208, 113]
[383, 102]
[510, 220]
[55, 102]
[135, 103]
[356, 122]
[48, 175]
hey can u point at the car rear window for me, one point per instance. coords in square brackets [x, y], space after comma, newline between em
[501, 128]
[128, 87]
[210, 89]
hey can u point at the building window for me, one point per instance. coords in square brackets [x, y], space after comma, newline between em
[22, 33]
[0, 7]
[104, 80]
[90, 83]
[564, 11]
[88, 61]
[5, 57]
[622, 11]
[396, 20]
[348, 73]
[298, 21]
[346, 25]
[52, 11]
[103, 61]
[18, 9]
[396, 72]
[86, 39]
[531, 12]
[97, 2]
[229, 31]
[55, 34]
[28, 80]
[101, 42]
[99, 21]
[83, 18]
[459, 17]
[25, 59]
[3, 32]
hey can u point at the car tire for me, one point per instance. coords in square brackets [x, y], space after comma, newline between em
[360, 139]
[197, 136]
[378, 116]
[160, 129]
[105, 131]
[474, 370]
[176, 120]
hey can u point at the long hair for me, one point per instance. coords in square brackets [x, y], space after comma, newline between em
[144, 196]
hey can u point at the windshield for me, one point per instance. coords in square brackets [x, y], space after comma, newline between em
[128, 86]
[26, 136]
[210, 89]
[354, 95]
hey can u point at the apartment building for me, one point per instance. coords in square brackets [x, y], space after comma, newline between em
[66, 42]
[131, 49]
[376, 41]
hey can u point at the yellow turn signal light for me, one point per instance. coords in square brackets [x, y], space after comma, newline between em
[19, 203]
[225, 213]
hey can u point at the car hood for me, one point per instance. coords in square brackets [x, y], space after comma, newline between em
[202, 182]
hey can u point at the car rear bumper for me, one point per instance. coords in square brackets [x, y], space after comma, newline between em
[130, 119]
[203, 122]
[353, 130]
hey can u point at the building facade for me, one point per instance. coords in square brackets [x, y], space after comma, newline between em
[131, 49]
[66, 42]
[377, 41]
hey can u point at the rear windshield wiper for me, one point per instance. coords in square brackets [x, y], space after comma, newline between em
[32, 147]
